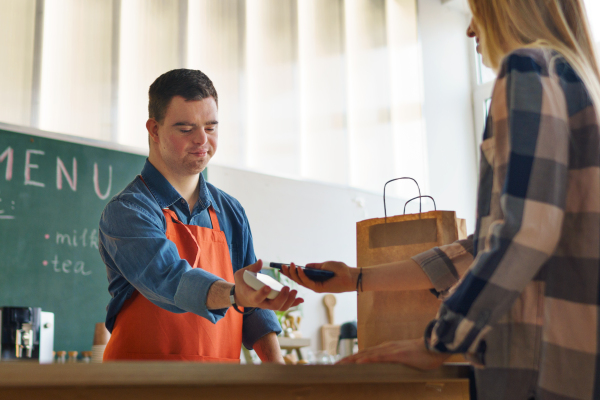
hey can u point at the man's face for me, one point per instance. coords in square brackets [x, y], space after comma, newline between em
[187, 139]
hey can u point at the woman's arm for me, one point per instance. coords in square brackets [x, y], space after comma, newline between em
[439, 268]
[399, 275]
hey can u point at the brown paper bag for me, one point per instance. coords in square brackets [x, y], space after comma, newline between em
[385, 316]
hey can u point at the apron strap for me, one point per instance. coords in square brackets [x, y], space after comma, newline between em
[211, 211]
[213, 218]
[176, 220]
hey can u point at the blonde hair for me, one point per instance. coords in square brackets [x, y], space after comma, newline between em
[560, 25]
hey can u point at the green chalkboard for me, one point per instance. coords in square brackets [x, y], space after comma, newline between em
[52, 192]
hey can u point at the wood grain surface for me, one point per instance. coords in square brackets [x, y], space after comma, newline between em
[179, 380]
[21, 374]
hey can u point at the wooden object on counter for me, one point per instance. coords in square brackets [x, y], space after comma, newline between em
[185, 380]
[61, 356]
[293, 344]
[73, 356]
[289, 359]
[330, 333]
[86, 356]
[101, 334]
[385, 316]
[291, 326]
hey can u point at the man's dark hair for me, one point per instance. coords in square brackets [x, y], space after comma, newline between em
[190, 84]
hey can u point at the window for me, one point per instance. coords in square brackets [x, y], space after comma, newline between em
[484, 84]
[484, 74]
[593, 11]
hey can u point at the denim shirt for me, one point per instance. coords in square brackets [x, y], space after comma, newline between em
[138, 255]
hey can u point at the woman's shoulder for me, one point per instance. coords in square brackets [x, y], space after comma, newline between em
[527, 60]
[539, 61]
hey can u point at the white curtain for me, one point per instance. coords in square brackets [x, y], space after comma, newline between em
[327, 90]
[75, 90]
[325, 150]
[593, 10]
[149, 46]
[272, 96]
[216, 46]
[17, 26]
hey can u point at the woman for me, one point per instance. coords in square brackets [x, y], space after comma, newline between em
[527, 307]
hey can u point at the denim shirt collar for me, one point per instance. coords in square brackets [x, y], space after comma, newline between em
[166, 195]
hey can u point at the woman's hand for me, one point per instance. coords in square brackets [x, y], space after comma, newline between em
[246, 296]
[343, 281]
[412, 353]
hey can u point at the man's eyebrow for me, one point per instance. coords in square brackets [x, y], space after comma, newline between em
[184, 123]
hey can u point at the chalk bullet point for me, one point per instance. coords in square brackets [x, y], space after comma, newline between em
[47, 236]
[45, 263]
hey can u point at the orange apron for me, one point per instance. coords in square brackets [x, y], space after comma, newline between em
[144, 331]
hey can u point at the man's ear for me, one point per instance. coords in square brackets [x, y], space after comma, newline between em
[152, 127]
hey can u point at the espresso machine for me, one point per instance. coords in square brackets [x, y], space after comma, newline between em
[26, 333]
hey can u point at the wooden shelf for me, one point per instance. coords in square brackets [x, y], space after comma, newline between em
[287, 343]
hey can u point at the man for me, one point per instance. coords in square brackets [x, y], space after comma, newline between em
[175, 246]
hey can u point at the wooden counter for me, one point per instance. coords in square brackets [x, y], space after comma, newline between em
[178, 380]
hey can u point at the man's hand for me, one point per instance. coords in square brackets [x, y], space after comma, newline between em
[412, 353]
[343, 281]
[245, 296]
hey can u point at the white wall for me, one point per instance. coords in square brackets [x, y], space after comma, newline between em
[448, 108]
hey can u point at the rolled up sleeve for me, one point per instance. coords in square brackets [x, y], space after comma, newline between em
[443, 264]
[192, 293]
[258, 324]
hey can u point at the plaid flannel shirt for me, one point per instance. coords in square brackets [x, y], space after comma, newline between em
[527, 308]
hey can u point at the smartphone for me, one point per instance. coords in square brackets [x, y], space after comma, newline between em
[317, 275]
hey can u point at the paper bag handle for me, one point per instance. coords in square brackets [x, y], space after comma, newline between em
[397, 179]
[420, 197]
